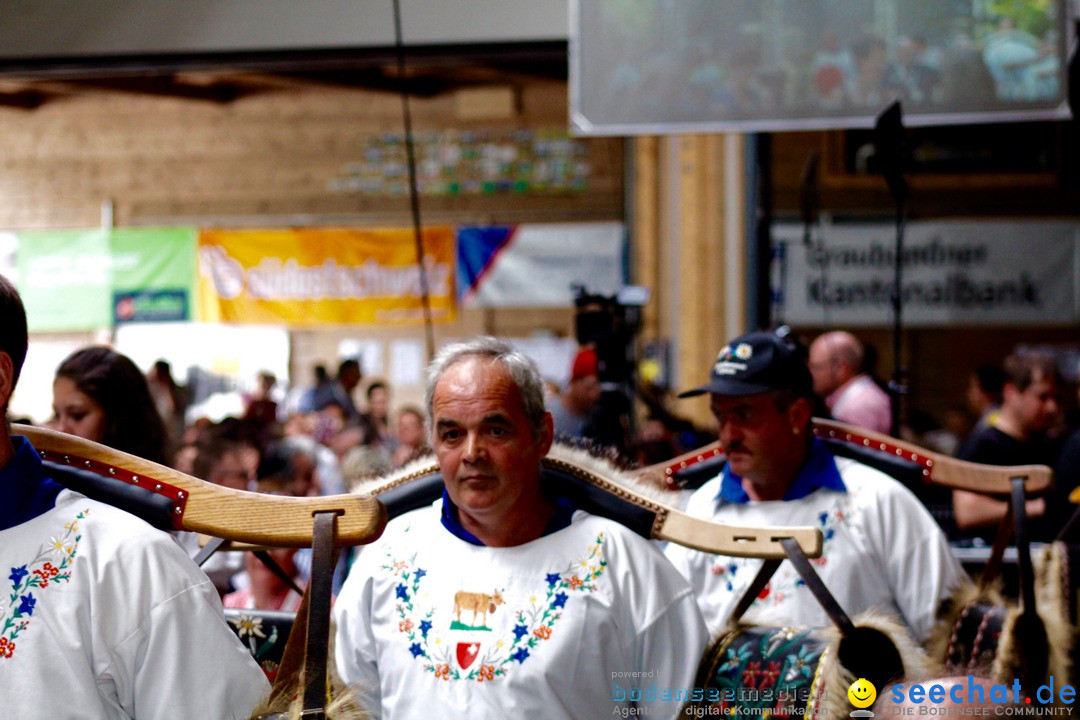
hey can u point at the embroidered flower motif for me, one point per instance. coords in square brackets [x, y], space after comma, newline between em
[744, 351]
[17, 574]
[36, 575]
[534, 623]
[26, 605]
[248, 625]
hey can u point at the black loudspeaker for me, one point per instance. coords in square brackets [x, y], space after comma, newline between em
[891, 150]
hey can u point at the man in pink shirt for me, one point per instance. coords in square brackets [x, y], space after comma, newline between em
[852, 396]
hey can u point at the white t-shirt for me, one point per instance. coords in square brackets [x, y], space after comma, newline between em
[105, 617]
[571, 625]
[882, 549]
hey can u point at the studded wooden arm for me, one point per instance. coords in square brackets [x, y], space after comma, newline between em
[596, 487]
[936, 468]
[199, 506]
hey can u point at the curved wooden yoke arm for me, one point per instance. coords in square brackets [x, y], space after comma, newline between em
[603, 490]
[199, 506]
[937, 469]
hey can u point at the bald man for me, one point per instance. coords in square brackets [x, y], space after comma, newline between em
[852, 396]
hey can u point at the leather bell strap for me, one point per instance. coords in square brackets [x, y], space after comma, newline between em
[308, 645]
[323, 555]
[813, 583]
[1014, 523]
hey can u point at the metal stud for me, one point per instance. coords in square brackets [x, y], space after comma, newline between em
[135, 479]
[157, 488]
[180, 495]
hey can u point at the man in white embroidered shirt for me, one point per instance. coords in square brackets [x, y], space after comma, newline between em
[108, 618]
[501, 600]
[882, 549]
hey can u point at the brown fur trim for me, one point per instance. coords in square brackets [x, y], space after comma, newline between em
[581, 462]
[1014, 643]
[1051, 597]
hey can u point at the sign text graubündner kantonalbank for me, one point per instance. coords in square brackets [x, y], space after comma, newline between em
[976, 698]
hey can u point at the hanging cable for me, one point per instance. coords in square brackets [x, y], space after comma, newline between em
[414, 194]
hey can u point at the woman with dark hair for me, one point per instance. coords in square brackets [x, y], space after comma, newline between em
[101, 395]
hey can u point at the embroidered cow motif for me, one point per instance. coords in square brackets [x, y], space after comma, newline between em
[479, 604]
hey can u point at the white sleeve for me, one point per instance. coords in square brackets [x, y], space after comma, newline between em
[354, 638]
[184, 662]
[921, 567]
[673, 645]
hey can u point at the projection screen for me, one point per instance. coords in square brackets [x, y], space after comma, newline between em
[670, 66]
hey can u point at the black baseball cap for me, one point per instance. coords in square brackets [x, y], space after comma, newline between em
[758, 362]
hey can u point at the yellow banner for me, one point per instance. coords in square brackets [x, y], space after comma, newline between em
[319, 276]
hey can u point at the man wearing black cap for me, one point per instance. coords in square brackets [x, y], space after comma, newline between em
[882, 548]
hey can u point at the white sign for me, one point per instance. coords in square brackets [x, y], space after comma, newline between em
[953, 273]
[538, 265]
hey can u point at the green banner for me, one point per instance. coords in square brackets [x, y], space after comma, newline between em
[88, 279]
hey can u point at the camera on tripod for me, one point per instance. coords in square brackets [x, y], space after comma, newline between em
[609, 323]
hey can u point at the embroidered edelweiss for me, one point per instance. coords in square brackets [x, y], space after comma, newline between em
[744, 351]
[248, 625]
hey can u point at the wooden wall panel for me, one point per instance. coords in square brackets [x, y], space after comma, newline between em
[265, 159]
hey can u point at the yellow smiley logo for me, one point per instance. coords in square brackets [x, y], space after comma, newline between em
[862, 693]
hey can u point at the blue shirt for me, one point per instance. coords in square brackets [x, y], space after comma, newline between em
[564, 512]
[25, 490]
[818, 471]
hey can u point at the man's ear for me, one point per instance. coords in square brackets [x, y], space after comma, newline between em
[1009, 392]
[799, 413]
[547, 433]
[7, 379]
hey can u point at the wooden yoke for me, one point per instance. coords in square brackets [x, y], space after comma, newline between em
[597, 487]
[943, 470]
[199, 506]
[937, 469]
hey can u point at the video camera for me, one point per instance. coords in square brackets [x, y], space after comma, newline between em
[609, 323]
